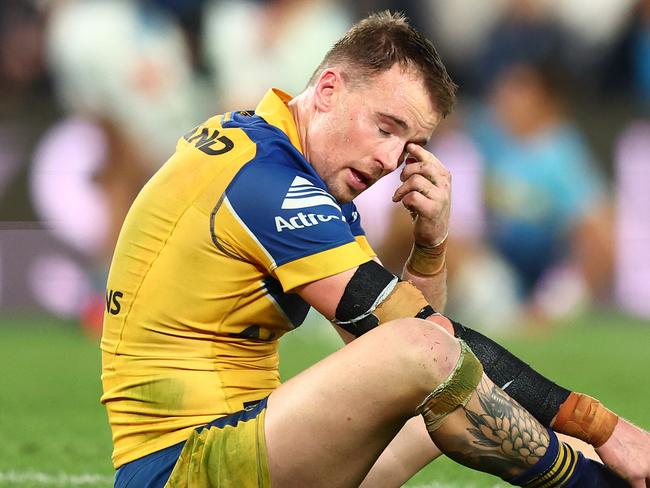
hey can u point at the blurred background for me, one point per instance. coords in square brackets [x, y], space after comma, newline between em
[549, 148]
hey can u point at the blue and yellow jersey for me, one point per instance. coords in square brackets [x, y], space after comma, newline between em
[200, 287]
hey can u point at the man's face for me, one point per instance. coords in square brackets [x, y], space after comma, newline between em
[521, 102]
[362, 132]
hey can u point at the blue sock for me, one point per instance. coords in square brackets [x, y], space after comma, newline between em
[563, 466]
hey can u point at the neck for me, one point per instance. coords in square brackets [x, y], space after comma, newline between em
[302, 113]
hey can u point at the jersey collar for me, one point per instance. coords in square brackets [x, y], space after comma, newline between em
[273, 109]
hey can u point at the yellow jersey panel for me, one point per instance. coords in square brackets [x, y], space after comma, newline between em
[199, 289]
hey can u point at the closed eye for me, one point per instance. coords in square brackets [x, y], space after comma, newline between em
[383, 132]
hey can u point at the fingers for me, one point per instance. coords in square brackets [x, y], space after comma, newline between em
[426, 193]
[421, 161]
[421, 205]
[423, 173]
[419, 184]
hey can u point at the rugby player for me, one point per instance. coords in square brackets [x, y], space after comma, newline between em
[249, 224]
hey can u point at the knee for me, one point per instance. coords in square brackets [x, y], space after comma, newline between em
[422, 348]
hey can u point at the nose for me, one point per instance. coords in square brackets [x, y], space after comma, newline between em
[391, 157]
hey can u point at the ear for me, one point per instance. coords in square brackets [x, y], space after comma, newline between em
[329, 89]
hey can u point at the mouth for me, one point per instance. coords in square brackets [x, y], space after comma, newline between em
[360, 181]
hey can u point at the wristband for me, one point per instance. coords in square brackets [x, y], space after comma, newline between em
[586, 418]
[427, 260]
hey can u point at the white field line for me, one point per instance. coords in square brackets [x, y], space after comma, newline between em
[18, 478]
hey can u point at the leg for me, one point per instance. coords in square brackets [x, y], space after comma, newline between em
[412, 449]
[328, 426]
[502, 438]
[409, 452]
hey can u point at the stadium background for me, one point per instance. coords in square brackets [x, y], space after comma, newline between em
[94, 94]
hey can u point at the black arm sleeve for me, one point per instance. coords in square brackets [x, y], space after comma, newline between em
[537, 394]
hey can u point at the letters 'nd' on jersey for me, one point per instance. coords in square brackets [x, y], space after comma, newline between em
[199, 290]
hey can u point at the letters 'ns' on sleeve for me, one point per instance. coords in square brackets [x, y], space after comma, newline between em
[285, 221]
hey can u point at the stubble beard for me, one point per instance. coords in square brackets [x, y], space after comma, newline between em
[339, 190]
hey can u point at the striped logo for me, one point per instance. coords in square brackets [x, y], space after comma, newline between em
[303, 194]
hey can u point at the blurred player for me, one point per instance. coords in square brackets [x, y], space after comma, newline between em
[533, 151]
[249, 224]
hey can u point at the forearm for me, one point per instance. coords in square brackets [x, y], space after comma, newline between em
[540, 396]
[552, 405]
[426, 268]
[433, 288]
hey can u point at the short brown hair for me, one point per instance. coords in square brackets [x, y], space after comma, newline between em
[377, 42]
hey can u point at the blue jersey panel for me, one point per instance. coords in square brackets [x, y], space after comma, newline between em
[291, 304]
[353, 219]
[286, 206]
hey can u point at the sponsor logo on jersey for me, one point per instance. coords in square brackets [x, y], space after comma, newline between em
[304, 194]
[303, 220]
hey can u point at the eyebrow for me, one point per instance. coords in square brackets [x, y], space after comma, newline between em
[402, 123]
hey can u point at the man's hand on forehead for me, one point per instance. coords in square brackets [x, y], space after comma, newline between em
[426, 193]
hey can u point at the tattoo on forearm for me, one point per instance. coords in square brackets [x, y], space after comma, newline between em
[504, 439]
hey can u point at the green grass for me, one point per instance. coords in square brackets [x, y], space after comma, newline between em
[54, 431]
[50, 417]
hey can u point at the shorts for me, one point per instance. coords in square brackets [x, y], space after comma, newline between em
[228, 452]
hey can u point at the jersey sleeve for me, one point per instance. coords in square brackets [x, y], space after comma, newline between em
[290, 225]
[353, 218]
